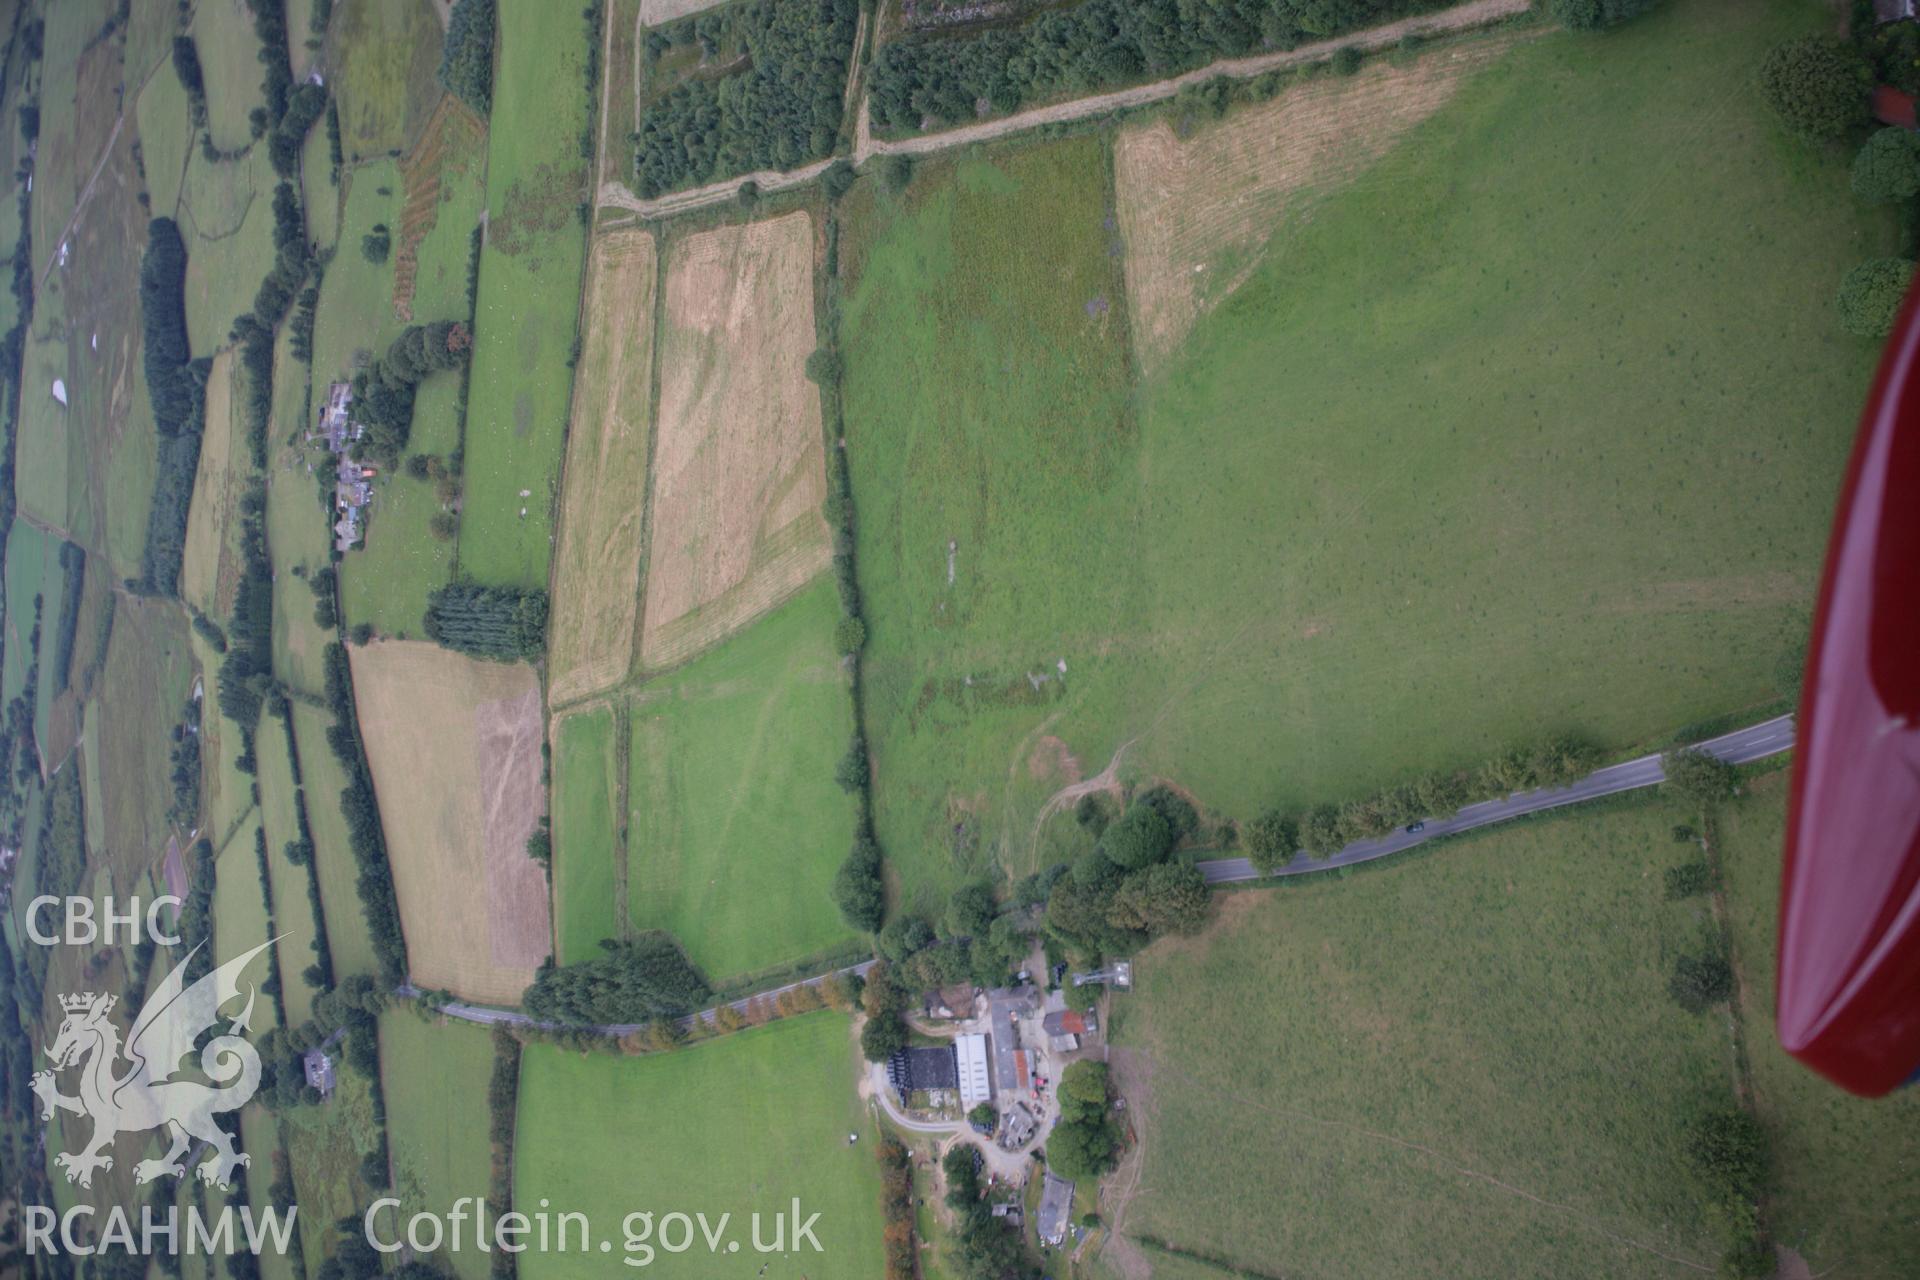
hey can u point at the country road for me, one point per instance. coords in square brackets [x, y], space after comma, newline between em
[1475, 13]
[1755, 742]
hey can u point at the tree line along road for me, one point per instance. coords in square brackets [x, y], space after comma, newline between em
[1742, 746]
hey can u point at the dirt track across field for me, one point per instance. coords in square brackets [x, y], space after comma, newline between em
[1476, 13]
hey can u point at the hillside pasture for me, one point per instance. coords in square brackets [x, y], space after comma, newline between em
[42, 449]
[589, 881]
[226, 216]
[743, 1124]
[1395, 503]
[454, 745]
[230, 67]
[738, 471]
[166, 136]
[735, 825]
[434, 1075]
[529, 297]
[142, 694]
[292, 908]
[596, 595]
[1475, 1068]
[1846, 1170]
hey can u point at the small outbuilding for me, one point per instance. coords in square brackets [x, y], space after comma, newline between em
[1056, 1207]
[1885, 11]
[1895, 107]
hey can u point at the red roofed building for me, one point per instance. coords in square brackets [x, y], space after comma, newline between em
[1894, 107]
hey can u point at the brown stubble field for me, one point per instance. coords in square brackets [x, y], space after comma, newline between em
[738, 472]
[597, 565]
[454, 745]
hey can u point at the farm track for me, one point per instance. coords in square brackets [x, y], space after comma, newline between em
[1462, 17]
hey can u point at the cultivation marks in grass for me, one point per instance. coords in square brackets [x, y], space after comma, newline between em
[454, 745]
[597, 579]
[1196, 213]
[738, 473]
[447, 148]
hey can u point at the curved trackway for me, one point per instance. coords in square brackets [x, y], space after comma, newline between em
[1756, 742]
[1475, 13]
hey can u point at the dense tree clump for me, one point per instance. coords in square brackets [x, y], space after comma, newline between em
[163, 336]
[646, 977]
[1870, 296]
[1817, 85]
[1124, 892]
[1700, 981]
[466, 59]
[1700, 777]
[501, 623]
[945, 78]
[186, 67]
[987, 1248]
[782, 109]
[1591, 15]
[383, 393]
[304, 105]
[1887, 168]
[859, 889]
[1085, 1141]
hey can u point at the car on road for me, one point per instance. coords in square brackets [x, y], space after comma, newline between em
[1415, 826]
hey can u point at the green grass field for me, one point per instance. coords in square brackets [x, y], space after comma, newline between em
[226, 793]
[43, 452]
[1396, 503]
[230, 66]
[1845, 1176]
[260, 1139]
[318, 189]
[1463, 1064]
[297, 529]
[529, 300]
[388, 51]
[586, 791]
[347, 934]
[738, 1125]
[356, 319]
[292, 910]
[239, 910]
[735, 825]
[435, 1075]
[166, 134]
[226, 217]
[142, 694]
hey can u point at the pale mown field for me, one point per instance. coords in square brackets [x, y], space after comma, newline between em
[738, 474]
[454, 745]
[210, 569]
[597, 581]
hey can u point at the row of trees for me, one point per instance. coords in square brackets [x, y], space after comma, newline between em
[246, 672]
[361, 810]
[1085, 1141]
[503, 1098]
[1275, 837]
[943, 79]
[896, 1207]
[300, 852]
[501, 623]
[782, 109]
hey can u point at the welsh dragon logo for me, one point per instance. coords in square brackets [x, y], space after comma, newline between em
[143, 1094]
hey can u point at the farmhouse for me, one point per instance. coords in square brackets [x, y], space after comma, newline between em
[1056, 1204]
[1065, 1027]
[319, 1068]
[919, 1069]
